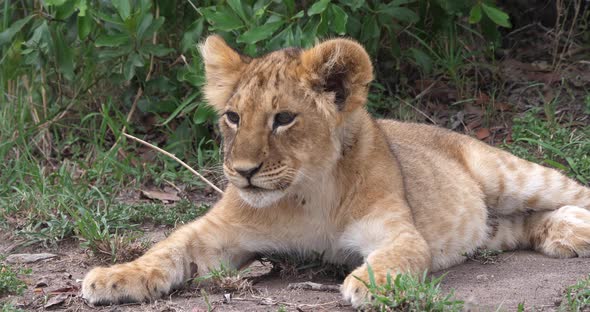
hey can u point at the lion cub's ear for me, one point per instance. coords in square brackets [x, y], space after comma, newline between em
[340, 66]
[223, 68]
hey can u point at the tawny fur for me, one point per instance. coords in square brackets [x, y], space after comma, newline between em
[401, 197]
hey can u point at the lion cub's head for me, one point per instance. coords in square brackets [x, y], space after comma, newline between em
[283, 115]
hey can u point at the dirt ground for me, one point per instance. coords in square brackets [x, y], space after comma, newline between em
[515, 277]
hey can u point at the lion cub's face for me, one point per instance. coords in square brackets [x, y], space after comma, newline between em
[281, 114]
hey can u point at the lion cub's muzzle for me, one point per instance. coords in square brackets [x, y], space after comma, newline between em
[260, 177]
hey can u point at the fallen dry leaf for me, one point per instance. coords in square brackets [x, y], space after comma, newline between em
[482, 133]
[58, 300]
[482, 99]
[29, 258]
[41, 283]
[68, 289]
[162, 196]
[502, 106]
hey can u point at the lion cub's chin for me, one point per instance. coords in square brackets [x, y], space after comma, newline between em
[261, 199]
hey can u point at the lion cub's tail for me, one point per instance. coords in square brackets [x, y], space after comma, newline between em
[530, 205]
[513, 185]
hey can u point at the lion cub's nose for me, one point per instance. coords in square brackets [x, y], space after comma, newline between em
[247, 171]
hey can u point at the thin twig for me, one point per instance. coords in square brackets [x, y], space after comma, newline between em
[417, 109]
[193, 5]
[154, 42]
[313, 286]
[176, 159]
[269, 301]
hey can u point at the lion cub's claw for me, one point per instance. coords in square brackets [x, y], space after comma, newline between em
[123, 284]
[354, 290]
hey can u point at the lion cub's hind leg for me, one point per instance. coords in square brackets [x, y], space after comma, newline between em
[563, 233]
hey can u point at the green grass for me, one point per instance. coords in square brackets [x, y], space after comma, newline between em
[225, 279]
[180, 213]
[406, 292]
[577, 297]
[62, 180]
[10, 283]
[553, 144]
[9, 307]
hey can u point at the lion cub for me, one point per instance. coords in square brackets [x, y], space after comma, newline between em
[311, 171]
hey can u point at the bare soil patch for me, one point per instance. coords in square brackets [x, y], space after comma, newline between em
[515, 277]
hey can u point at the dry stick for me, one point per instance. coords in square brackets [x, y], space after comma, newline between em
[313, 286]
[176, 159]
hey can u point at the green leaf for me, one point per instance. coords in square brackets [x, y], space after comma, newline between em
[84, 26]
[555, 164]
[203, 113]
[123, 8]
[497, 16]
[7, 35]
[369, 28]
[64, 56]
[310, 30]
[105, 55]
[192, 35]
[82, 6]
[65, 10]
[323, 26]
[290, 4]
[372, 281]
[143, 26]
[278, 40]
[111, 40]
[157, 50]
[54, 2]
[113, 19]
[353, 26]
[237, 7]
[318, 7]
[475, 14]
[190, 76]
[401, 2]
[299, 14]
[260, 33]
[133, 61]
[153, 27]
[223, 19]
[180, 108]
[340, 18]
[400, 14]
[353, 4]
[422, 59]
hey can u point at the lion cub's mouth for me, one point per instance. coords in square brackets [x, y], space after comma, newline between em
[254, 188]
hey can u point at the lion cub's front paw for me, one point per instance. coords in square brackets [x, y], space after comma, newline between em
[124, 283]
[354, 290]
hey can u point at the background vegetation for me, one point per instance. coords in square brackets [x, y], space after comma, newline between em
[75, 74]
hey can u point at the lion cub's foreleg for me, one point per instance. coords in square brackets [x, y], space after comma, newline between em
[194, 248]
[399, 249]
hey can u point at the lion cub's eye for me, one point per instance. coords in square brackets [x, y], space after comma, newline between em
[283, 119]
[233, 117]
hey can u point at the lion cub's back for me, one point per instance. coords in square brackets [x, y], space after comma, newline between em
[448, 204]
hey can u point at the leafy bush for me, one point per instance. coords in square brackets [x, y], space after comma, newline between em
[74, 74]
[65, 52]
